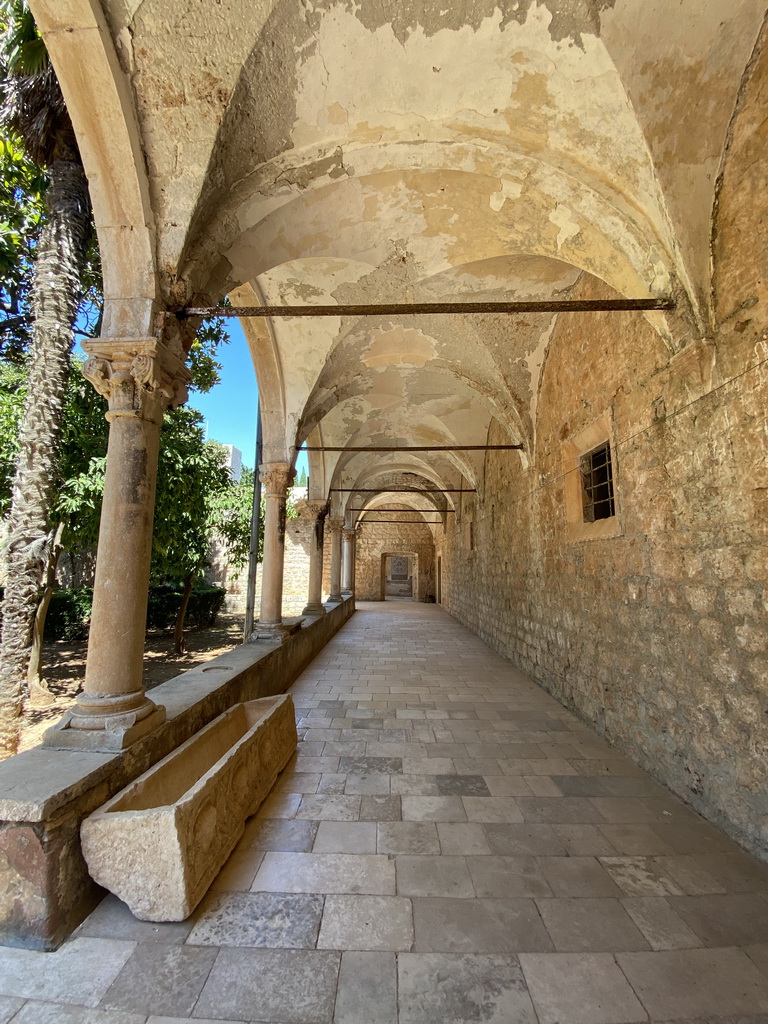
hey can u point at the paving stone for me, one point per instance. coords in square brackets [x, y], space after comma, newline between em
[640, 876]
[690, 875]
[635, 840]
[264, 919]
[737, 871]
[380, 808]
[478, 926]
[329, 807]
[731, 920]
[679, 984]
[518, 840]
[286, 836]
[560, 810]
[449, 988]
[345, 837]
[371, 765]
[58, 1013]
[408, 837]
[507, 876]
[578, 876]
[332, 784]
[280, 805]
[9, 1005]
[413, 785]
[367, 785]
[433, 876]
[79, 972]
[433, 808]
[367, 992]
[587, 925]
[366, 923]
[461, 838]
[326, 873]
[288, 985]
[507, 785]
[113, 920]
[492, 808]
[161, 979]
[580, 988]
[660, 924]
[462, 785]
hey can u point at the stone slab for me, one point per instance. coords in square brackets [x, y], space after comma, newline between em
[160, 843]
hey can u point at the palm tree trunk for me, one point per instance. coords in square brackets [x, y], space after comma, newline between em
[54, 299]
[39, 694]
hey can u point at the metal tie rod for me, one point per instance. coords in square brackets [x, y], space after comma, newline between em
[404, 490]
[434, 308]
[422, 448]
[396, 522]
[439, 511]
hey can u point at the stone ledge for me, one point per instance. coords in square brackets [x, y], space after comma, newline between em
[45, 889]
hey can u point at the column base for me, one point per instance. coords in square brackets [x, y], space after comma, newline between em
[334, 600]
[314, 609]
[117, 733]
[274, 632]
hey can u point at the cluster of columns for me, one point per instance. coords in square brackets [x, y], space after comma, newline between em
[140, 378]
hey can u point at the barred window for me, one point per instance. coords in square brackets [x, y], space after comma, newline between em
[597, 484]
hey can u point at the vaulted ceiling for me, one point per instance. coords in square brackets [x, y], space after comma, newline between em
[325, 151]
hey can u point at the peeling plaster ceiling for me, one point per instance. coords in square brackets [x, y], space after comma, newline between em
[326, 151]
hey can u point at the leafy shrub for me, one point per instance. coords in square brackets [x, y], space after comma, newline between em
[164, 600]
[69, 614]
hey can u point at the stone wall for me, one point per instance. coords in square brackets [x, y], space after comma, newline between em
[656, 635]
[403, 539]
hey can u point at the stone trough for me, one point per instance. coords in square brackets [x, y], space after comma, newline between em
[160, 842]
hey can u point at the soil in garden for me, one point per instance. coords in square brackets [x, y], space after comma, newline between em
[64, 668]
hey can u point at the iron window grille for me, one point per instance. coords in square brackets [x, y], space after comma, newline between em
[597, 484]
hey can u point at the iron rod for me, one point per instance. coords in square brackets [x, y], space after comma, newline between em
[434, 308]
[404, 490]
[421, 448]
[438, 510]
[423, 522]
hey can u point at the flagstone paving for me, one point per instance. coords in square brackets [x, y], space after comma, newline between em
[448, 845]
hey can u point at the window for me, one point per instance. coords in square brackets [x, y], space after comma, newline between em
[597, 484]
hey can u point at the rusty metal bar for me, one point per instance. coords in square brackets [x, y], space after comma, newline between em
[421, 448]
[423, 522]
[404, 490]
[439, 511]
[434, 308]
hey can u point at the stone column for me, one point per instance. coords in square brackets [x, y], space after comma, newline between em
[335, 525]
[275, 477]
[139, 379]
[348, 562]
[319, 510]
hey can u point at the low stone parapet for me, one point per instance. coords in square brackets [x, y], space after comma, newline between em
[45, 887]
[160, 842]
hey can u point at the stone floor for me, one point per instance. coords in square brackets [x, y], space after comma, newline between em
[449, 845]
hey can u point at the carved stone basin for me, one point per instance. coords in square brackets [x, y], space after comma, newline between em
[160, 842]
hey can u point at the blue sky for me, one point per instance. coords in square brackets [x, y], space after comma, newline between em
[230, 408]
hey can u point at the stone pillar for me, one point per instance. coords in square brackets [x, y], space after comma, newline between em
[348, 562]
[319, 510]
[275, 478]
[139, 379]
[335, 525]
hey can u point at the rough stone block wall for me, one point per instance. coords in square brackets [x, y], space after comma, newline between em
[381, 538]
[657, 636]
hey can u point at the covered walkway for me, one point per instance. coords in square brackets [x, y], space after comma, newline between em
[449, 845]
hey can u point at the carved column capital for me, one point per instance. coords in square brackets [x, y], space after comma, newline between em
[335, 524]
[349, 533]
[275, 477]
[316, 509]
[138, 376]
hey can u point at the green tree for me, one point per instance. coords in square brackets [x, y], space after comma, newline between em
[33, 112]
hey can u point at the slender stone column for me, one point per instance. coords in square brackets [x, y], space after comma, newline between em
[139, 378]
[319, 510]
[275, 476]
[348, 562]
[335, 526]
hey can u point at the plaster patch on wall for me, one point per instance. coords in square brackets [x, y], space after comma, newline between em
[562, 217]
[508, 190]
